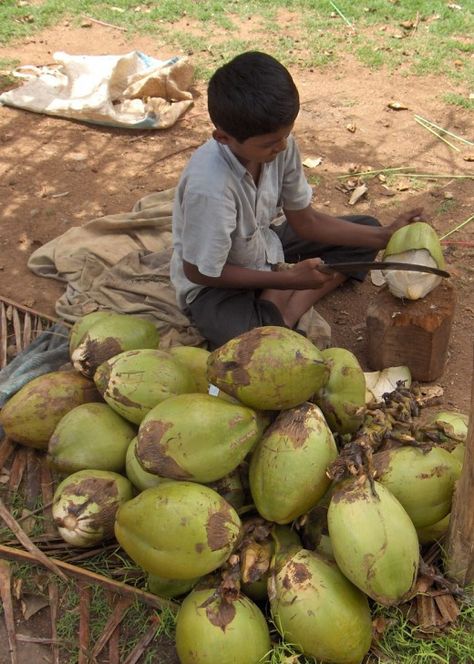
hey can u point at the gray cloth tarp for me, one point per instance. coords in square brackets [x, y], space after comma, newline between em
[120, 262]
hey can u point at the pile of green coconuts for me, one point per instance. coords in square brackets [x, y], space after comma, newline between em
[205, 466]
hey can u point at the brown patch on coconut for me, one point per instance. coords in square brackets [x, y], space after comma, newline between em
[292, 423]
[153, 456]
[91, 353]
[221, 613]
[217, 529]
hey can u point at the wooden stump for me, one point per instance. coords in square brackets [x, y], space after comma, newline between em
[460, 550]
[411, 333]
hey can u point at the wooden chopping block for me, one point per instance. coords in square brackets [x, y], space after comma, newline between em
[414, 333]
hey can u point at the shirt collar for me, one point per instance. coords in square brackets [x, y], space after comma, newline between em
[232, 160]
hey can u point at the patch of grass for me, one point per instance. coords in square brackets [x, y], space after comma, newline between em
[401, 643]
[307, 33]
[370, 56]
[447, 205]
[455, 99]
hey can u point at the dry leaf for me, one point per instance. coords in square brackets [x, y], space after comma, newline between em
[386, 191]
[380, 624]
[17, 586]
[408, 25]
[377, 278]
[403, 185]
[31, 604]
[351, 127]
[312, 162]
[358, 193]
[397, 106]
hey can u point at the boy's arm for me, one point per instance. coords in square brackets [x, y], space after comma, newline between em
[319, 227]
[301, 276]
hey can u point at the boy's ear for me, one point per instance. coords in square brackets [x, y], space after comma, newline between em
[221, 136]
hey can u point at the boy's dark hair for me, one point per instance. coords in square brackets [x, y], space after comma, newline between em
[251, 95]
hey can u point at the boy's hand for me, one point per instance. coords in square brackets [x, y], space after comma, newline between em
[306, 274]
[404, 219]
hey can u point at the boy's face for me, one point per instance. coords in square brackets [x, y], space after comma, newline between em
[260, 149]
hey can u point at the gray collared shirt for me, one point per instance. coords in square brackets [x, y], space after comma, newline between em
[221, 216]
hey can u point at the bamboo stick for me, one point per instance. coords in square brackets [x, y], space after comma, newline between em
[341, 15]
[374, 172]
[457, 227]
[454, 147]
[450, 133]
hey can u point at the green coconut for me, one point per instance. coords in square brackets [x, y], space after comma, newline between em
[454, 422]
[139, 477]
[256, 552]
[268, 368]
[423, 481]
[435, 532]
[178, 530]
[135, 381]
[109, 336]
[196, 437]
[195, 359]
[374, 540]
[82, 325]
[318, 611]
[342, 398]
[85, 504]
[91, 435]
[288, 466]
[212, 630]
[414, 243]
[32, 414]
[231, 488]
[169, 588]
[455, 427]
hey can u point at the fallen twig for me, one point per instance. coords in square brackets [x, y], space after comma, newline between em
[457, 227]
[5, 592]
[147, 637]
[47, 492]
[342, 15]
[172, 154]
[445, 131]
[116, 617]
[17, 470]
[78, 572]
[54, 605]
[23, 538]
[435, 133]
[84, 624]
[374, 172]
[107, 25]
[6, 448]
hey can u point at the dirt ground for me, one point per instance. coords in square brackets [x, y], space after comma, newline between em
[56, 173]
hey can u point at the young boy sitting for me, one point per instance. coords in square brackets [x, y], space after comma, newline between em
[227, 246]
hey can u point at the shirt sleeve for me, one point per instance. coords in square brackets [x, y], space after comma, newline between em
[207, 226]
[296, 192]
